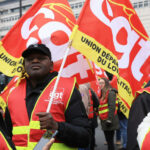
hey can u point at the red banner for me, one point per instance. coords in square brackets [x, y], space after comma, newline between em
[49, 22]
[110, 33]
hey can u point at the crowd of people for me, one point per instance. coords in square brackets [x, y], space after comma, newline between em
[74, 110]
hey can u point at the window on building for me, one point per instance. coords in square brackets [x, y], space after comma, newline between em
[76, 5]
[135, 5]
[140, 4]
[80, 5]
[15, 10]
[72, 6]
[26, 7]
[146, 3]
[76, 16]
[5, 12]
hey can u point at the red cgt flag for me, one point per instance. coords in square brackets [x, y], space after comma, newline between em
[110, 34]
[49, 22]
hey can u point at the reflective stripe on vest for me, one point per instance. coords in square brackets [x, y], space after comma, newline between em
[4, 145]
[55, 146]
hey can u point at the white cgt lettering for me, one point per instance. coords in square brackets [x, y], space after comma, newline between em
[140, 59]
[25, 31]
[116, 24]
[45, 33]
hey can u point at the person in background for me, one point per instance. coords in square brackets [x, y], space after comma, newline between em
[121, 133]
[138, 122]
[84, 91]
[26, 116]
[92, 115]
[86, 101]
[123, 121]
[91, 104]
[108, 111]
[118, 136]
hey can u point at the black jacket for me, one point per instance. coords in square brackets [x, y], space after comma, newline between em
[76, 130]
[93, 121]
[139, 110]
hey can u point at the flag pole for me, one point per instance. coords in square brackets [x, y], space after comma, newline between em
[61, 67]
[58, 77]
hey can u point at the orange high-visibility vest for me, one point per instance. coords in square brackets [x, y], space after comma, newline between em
[26, 133]
[91, 111]
[103, 108]
[4, 145]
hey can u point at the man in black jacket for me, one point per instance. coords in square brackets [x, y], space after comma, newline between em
[139, 110]
[74, 131]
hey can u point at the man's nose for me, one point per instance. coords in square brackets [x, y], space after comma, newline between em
[35, 60]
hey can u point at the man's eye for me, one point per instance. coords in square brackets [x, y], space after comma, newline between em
[41, 58]
[29, 59]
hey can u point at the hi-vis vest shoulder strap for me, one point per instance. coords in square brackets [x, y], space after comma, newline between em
[26, 133]
[4, 145]
[103, 107]
[143, 90]
[143, 136]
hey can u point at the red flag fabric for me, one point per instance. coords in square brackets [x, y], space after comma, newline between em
[99, 72]
[110, 34]
[49, 22]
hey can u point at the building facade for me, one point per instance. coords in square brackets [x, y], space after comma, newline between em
[142, 8]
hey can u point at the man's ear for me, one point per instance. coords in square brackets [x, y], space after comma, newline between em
[51, 66]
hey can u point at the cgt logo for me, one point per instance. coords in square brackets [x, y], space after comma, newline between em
[58, 95]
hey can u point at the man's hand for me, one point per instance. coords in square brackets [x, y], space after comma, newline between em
[108, 123]
[49, 144]
[47, 121]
